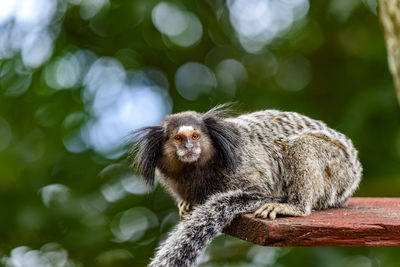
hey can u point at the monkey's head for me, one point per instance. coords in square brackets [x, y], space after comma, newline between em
[184, 139]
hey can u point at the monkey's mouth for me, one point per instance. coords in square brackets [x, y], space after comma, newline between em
[189, 157]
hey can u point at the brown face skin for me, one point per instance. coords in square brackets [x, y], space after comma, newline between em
[186, 142]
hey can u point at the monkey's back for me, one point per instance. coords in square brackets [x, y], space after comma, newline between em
[267, 134]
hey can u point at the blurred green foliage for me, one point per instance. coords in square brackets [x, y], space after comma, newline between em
[67, 195]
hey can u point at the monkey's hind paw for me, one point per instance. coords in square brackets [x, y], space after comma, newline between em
[270, 210]
[184, 208]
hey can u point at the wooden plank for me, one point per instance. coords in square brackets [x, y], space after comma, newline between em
[364, 222]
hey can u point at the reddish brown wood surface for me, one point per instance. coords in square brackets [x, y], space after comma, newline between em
[364, 222]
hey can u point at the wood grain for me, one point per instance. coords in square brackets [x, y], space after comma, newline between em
[364, 222]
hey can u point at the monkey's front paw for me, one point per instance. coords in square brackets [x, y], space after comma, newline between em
[184, 208]
[270, 210]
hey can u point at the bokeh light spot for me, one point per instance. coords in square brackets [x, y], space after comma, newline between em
[54, 193]
[68, 71]
[132, 224]
[103, 81]
[113, 192]
[49, 255]
[230, 74]
[169, 19]
[263, 255]
[65, 72]
[25, 27]
[182, 27]
[193, 79]
[72, 133]
[14, 79]
[7, 9]
[132, 184]
[35, 12]
[126, 112]
[258, 22]
[294, 73]
[191, 35]
[90, 8]
[93, 203]
[37, 48]
[118, 101]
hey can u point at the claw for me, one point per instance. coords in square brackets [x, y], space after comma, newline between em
[271, 210]
[272, 214]
[184, 208]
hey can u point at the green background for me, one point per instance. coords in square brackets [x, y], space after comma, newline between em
[67, 201]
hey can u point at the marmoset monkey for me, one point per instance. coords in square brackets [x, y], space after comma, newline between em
[268, 162]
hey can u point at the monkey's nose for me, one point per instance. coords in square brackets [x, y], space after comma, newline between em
[188, 145]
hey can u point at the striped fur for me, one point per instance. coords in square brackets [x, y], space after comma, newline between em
[270, 162]
[189, 238]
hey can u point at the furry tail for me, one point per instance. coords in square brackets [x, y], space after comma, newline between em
[186, 242]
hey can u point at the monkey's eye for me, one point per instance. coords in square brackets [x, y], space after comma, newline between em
[195, 136]
[178, 138]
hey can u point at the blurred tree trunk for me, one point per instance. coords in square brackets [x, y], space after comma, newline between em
[389, 13]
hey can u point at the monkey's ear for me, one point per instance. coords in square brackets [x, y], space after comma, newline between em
[146, 151]
[225, 136]
[222, 111]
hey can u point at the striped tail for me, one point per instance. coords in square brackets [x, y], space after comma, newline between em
[191, 236]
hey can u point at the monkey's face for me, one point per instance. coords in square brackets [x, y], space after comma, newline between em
[187, 142]
[184, 141]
